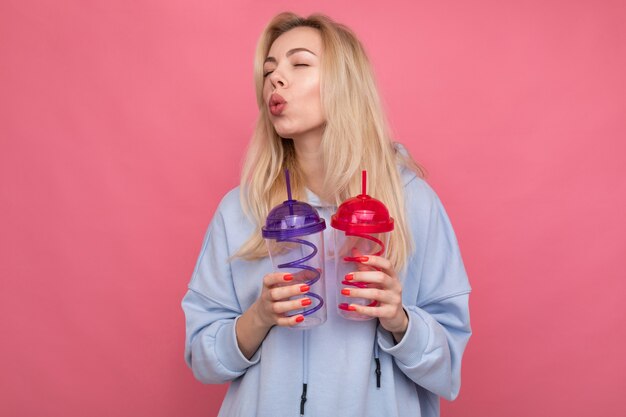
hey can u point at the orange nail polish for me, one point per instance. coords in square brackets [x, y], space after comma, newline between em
[288, 277]
[349, 277]
[363, 258]
[351, 308]
[345, 291]
[299, 319]
[305, 302]
[304, 288]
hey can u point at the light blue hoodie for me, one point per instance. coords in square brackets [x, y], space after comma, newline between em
[338, 362]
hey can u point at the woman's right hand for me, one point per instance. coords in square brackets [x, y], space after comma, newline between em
[272, 308]
[274, 305]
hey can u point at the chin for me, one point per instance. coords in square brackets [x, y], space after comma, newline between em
[284, 133]
[292, 133]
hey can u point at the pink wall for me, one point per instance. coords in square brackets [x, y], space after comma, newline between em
[122, 124]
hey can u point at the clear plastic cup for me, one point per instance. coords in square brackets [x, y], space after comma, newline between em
[361, 227]
[293, 232]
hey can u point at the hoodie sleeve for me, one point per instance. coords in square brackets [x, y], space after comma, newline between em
[211, 311]
[435, 295]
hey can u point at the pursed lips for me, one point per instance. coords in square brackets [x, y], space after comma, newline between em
[276, 104]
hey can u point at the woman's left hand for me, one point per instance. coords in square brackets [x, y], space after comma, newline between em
[383, 286]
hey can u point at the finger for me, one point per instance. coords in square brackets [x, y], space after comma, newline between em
[358, 266]
[380, 312]
[362, 267]
[306, 275]
[276, 278]
[290, 321]
[370, 277]
[356, 254]
[382, 296]
[282, 307]
[378, 262]
[281, 293]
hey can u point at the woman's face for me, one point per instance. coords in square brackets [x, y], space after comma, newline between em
[291, 88]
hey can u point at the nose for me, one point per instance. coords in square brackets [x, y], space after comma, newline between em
[278, 79]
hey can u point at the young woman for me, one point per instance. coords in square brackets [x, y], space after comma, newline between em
[320, 117]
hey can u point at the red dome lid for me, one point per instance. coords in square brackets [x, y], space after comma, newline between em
[362, 214]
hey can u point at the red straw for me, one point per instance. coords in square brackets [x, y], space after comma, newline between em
[363, 182]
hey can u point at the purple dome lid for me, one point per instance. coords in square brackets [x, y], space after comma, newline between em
[292, 218]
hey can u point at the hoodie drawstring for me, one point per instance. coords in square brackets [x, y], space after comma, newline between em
[305, 368]
[378, 372]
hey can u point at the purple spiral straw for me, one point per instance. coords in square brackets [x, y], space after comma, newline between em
[299, 263]
[289, 199]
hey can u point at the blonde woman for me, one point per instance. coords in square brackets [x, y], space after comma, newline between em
[320, 117]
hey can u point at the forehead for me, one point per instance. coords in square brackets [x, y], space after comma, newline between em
[300, 37]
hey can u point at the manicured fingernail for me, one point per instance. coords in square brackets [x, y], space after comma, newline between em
[349, 277]
[299, 319]
[363, 259]
[288, 277]
[345, 291]
[305, 302]
[351, 308]
[304, 288]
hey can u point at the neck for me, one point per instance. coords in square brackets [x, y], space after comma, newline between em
[309, 156]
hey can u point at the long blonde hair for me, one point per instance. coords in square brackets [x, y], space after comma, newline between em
[355, 137]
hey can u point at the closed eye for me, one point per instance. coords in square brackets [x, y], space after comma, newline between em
[265, 74]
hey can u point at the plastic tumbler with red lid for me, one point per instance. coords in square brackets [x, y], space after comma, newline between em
[361, 227]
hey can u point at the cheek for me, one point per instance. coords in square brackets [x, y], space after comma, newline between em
[267, 89]
[266, 93]
[312, 91]
[317, 98]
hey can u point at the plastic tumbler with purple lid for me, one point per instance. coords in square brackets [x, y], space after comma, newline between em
[361, 228]
[293, 232]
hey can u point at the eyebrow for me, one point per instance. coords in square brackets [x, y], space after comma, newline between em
[289, 53]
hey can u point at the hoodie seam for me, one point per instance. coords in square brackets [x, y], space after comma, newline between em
[445, 297]
[213, 300]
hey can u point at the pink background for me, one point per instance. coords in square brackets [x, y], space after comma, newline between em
[122, 124]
